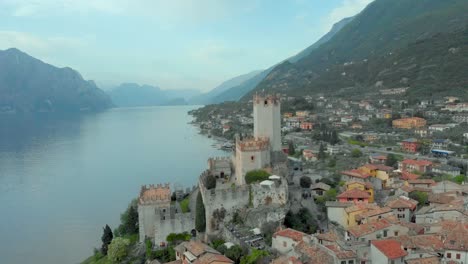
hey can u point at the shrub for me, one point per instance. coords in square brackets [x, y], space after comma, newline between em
[118, 249]
[356, 153]
[256, 176]
[305, 182]
[210, 182]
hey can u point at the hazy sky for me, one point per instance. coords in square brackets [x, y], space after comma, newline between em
[175, 44]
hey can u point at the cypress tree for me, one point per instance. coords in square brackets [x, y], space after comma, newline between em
[200, 221]
[106, 239]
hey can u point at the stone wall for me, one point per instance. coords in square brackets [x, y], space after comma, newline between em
[250, 160]
[275, 194]
[177, 223]
[267, 119]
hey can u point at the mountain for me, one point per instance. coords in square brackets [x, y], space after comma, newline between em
[209, 96]
[132, 94]
[378, 43]
[30, 85]
[236, 92]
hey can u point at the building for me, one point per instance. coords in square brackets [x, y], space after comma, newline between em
[220, 167]
[382, 228]
[410, 145]
[409, 123]
[157, 217]
[363, 186]
[284, 241]
[447, 170]
[460, 118]
[199, 253]
[307, 125]
[388, 251]
[354, 195]
[251, 154]
[319, 189]
[410, 165]
[440, 127]
[267, 119]
[403, 207]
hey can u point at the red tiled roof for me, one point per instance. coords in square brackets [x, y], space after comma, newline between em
[364, 229]
[212, 258]
[402, 202]
[422, 181]
[417, 162]
[340, 253]
[291, 233]
[428, 260]
[390, 248]
[354, 194]
[409, 176]
[356, 173]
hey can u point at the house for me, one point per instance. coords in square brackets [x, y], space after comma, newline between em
[307, 125]
[388, 251]
[421, 183]
[409, 123]
[377, 158]
[354, 195]
[435, 213]
[403, 207]
[285, 240]
[456, 241]
[336, 212]
[286, 260]
[421, 246]
[448, 186]
[354, 175]
[363, 186]
[382, 228]
[441, 127]
[302, 113]
[199, 253]
[460, 118]
[319, 189]
[352, 213]
[379, 171]
[308, 155]
[374, 215]
[226, 128]
[410, 145]
[440, 143]
[446, 170]
[410, 165]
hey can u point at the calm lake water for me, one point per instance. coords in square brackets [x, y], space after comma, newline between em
[63, 178]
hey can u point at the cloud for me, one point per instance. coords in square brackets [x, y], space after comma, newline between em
[347, 8]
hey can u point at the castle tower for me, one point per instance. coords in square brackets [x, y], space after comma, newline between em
[267, 119]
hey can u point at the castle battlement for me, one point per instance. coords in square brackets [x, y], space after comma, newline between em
[266, 100]
[155, 194]
[253, 144]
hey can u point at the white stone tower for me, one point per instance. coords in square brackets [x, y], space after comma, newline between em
[267, 119]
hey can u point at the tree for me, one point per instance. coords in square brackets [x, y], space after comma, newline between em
[356, 153]
[332, 163]
[305, 182]
[334, 138]
[254, 256]
[419, 196]
[234, 253]
[391, 160]
[176, 238]
[210, 182]
[321, 154]
[131, 225]
[256, 176]
[291, 149]
[118, 249]
[200, 218]
[106, 239]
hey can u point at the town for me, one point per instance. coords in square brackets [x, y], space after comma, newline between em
[321, 180]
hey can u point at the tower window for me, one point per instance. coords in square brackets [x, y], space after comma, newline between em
[266, 102]
[252, 158]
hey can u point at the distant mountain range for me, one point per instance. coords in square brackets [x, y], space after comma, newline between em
[236, 88]
[391, 43]
[30, 85]
[132, 94]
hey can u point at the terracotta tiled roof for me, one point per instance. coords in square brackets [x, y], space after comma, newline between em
[382, 167]
[286, 260]
[365, 229]
[440, 198]
[291, 233]
[354, 194]
[366, 184]
[409, 176]
[361, 207]
[329, 236]
[422, 181]
[428, 260]
[340, 253]
[417, 162]
[212, 258]
[430, 243]
[402, 202]
[374, 212]
[197, 248]
[313, 253]
[456, 235]
[390, 248]
[356, 173]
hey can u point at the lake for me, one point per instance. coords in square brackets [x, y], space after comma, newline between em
[63, 178]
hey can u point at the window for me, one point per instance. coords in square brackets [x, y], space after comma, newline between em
[449, 255]
[385, 233]
[350, 261]
[285, 244]
[363, 262]
[343, 262]
[266, 102]
[252, 158]
[392, 262]
[458, 256]
[395, 233]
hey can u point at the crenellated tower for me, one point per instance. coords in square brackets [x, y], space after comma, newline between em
[267, 119]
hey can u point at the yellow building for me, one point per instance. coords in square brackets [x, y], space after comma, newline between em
[379, 171]
[363, 186]
[409, 123]
[354, 212]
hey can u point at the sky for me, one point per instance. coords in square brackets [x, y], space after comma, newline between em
[173, 44]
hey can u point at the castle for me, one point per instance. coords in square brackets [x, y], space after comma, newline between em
[158, 217]
[266, 201]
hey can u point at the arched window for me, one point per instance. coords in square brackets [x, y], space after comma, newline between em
[252, 158]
